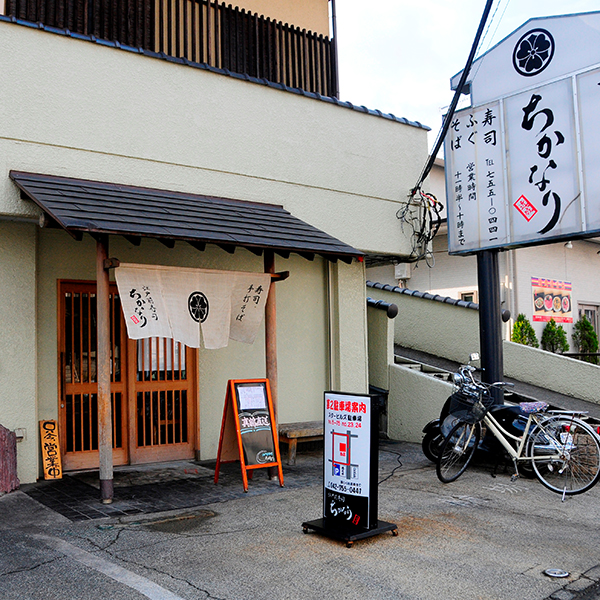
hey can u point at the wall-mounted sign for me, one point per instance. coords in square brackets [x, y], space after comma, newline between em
[521, 169]
[248, 430]
[551, 300]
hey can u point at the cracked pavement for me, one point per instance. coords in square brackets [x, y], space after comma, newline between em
[476, 538]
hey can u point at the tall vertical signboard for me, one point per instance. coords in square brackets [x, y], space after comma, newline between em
[521, 163]
[350, 469]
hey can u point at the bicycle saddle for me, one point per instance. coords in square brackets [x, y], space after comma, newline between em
[533, 407]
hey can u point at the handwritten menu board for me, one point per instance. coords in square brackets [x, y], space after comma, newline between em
[255, 423]
[248, 433]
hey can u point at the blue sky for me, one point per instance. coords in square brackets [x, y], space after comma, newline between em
[398, 55]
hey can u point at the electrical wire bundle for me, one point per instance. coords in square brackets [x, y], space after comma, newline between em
[422, 214]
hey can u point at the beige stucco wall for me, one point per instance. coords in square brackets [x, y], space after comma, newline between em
[77, 109]
[579, 265]
[101, 113]
[381, 347]
[559, 373]
[348, 332]
[453, 332]
[312, 15]
[414, 398]
[449, 276]
[433, 327]
[413, 401]
[17, 340]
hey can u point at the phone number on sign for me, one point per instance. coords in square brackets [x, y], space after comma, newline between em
[345, 489]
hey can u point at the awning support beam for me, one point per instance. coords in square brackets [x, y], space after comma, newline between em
[103, 366]
[271, 338]
[134, 240]
[271, 331]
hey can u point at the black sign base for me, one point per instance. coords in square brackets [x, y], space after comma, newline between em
[348, 536]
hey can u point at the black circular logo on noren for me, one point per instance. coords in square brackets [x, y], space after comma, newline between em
[533, 52]
[198, 306]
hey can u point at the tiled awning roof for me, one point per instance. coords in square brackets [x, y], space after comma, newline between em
[79, 206]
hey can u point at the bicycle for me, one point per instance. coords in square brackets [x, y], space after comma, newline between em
[563, 450]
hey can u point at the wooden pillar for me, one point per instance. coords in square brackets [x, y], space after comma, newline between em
[103, 368]
[271, 332]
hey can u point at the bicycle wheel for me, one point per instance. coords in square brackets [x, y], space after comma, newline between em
[431, 444]
[565, 455]
[457, 450]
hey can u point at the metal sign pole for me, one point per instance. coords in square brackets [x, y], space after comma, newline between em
[490, 320]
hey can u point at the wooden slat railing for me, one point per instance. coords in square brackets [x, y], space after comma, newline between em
[202, 31]
[129, 22]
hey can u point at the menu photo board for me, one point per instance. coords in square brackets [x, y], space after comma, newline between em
[248, 430]
[551, 300]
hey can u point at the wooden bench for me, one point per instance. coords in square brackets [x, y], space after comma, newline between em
[292, 433]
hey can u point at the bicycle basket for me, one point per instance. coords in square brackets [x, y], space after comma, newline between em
[470, 407]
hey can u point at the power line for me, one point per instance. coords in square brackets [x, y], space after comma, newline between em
[452, 109]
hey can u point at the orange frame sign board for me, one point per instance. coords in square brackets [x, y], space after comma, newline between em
[248, 431]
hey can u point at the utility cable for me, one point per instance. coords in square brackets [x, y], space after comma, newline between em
[452, 109]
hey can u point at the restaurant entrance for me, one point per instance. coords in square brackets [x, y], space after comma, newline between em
[153, 387]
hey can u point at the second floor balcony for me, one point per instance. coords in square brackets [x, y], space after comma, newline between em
[201, 31]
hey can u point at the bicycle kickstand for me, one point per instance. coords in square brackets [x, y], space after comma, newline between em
[516, 475]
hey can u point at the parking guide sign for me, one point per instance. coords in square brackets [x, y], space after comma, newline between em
[350, 469]
[347, 454]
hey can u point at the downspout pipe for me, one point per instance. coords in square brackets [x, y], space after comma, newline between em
[336, 74]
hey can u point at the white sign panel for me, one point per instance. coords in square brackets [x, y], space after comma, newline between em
[347, 459]
[588, 96]
[531, 141]
[540, 51]
[541, 151]
[475, 180]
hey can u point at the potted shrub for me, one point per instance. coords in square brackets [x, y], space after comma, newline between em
[554, 338]
[585, 339]
[523, 332]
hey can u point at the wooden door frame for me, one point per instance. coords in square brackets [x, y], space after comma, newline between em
[161, 454]
[128, 391]
[122, 453]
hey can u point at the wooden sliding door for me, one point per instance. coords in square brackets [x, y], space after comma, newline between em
[153, 387]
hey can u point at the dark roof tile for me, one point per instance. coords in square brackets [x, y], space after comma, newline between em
[95, 206]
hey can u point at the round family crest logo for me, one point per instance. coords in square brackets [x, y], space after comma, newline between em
[198, 306]
[533, 52]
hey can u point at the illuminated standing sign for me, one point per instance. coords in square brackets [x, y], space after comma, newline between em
[347, 459]
[350, 470]
[520, 169]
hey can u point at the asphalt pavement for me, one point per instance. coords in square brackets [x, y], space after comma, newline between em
[477, 538]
